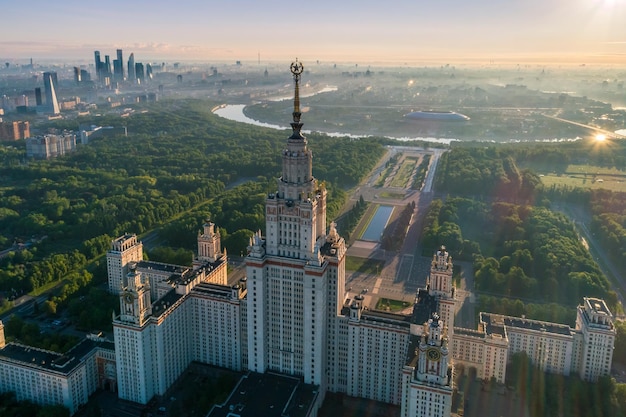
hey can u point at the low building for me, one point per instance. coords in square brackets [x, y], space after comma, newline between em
[14, 130]
[196, 316]
[586, 350]
[50, 146]
[47, 378]
[88, 133]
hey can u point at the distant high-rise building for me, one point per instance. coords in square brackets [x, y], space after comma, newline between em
[118, 66]
[98, 64]
[77, 74]
[38, 100]
[50, 83]
[21, 101]
[149, 71]
[85, 76]
[139, 73]
[117, 69]
[106, 70]
[131, 67]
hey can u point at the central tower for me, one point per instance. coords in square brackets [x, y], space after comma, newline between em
[296, 213]
[295, 272]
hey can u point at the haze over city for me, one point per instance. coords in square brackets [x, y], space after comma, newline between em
[563, 31]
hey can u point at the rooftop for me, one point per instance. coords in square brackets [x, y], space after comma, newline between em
[185, 274]
[495, 322]
[598, 306]
[385, 317]
[468, 332]
[268, 395]
[159, 266]
[214, 290]
[162, 304]
[425, 306]
[51, 361]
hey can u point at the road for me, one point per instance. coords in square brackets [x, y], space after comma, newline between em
[597, 130]
[581, 221]
[405, 271]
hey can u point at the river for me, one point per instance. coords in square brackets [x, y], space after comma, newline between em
[235, 112]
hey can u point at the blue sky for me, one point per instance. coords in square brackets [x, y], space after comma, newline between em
[341, 30]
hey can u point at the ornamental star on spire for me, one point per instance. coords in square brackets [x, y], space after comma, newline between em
[296, 69]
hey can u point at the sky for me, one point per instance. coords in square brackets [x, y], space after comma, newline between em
[360, 31]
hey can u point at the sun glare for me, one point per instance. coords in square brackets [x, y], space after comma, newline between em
[611, 3]
[600, 137]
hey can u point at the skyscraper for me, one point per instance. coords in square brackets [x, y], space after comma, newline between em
[98, 64]
[106, 70]
[139, 73]
[50, 83]
[118, 66]
[38, 100]
[296, 273]
[131, 67]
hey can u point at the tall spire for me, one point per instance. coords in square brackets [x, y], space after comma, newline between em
[296, 70]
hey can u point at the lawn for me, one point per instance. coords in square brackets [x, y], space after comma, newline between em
[387, 304]
[402, 177]
[364, 265]
[383, 176]
[587, 176]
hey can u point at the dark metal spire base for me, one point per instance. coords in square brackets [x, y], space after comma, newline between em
[297, 134]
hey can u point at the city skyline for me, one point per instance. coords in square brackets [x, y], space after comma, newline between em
[574, 31]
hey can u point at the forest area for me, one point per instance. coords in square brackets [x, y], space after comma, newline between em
[497, 214]
[172, 171]
[527, 257]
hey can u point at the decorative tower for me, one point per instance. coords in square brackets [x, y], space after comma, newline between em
[135, 303]
[124, 250]
[594, 321]
[440, 286]
[296, 213]
[209, 244]
[427, 381]
[433, 354]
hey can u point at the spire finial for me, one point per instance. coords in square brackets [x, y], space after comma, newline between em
[296, 69]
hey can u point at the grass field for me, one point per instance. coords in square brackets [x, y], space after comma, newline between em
[587, 176]
[387, 304]
[402, 177]
[364, 265]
